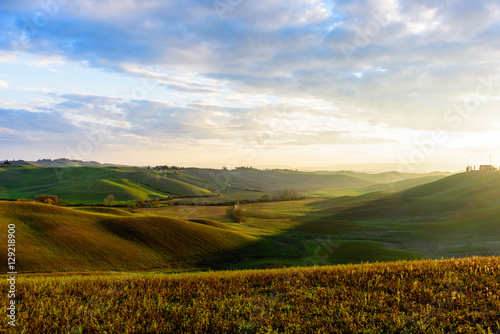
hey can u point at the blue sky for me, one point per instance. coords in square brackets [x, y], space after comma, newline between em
[263, 82]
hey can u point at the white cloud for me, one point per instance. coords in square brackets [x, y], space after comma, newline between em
[268, 61]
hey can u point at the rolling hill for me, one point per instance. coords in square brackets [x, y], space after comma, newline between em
[388, 182]
[93, 184]
[454, 217]
[55, 239]
[89, 185]
[458, 193]
[273, 180]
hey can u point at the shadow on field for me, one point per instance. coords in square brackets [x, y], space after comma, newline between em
[280, 250]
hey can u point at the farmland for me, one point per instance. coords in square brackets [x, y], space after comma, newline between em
[90, 185]
[446, 296]
[414, 224]
[58, 239]
[418, 260]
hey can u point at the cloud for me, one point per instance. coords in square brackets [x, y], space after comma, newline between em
[393, 68]
[3, 84]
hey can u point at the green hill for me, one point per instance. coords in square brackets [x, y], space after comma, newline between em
[457, 193]
[390, 177]
[454, 217]
[92, 184]
[55, 239]
[89, 184]
[273, 180]
[395, 182]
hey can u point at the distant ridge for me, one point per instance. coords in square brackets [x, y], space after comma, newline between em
[384, 167]
[62, 163]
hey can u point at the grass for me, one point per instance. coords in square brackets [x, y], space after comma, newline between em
[392, 186]
[61, 239]
[92, 184]
[104, 211]
[89, 185]
[270, 180]
[345, 252]
[453, 217]
[447, 296]
[413, 224]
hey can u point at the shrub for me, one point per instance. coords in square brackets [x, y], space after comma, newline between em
[49, 201]
[109, 199]
[42, 198]
[237, 213]
[287, 195]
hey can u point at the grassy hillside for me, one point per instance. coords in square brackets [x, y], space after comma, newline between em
[391, 186]
[456, 193]
[389, 177]
[452, 296]
[53, 239]
[453, 217]
[273, 180]
[456, 216]
[92, 184]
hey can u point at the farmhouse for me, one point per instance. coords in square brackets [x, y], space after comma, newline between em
[5, 164]
[481, 168]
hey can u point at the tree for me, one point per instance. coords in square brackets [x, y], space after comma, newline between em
[109, 199]
[48, 201]
[286, 195]
[42, 198]
[237, 213]
[265, 198]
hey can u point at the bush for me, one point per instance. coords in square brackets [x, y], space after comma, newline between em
[48, 201]
[287, 195]
[42, 199]
[109, 199]
[237, 213]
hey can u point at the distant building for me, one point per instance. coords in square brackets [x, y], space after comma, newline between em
[487, 168]
[5, 164]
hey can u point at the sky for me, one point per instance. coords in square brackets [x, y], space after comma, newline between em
[251, 83]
